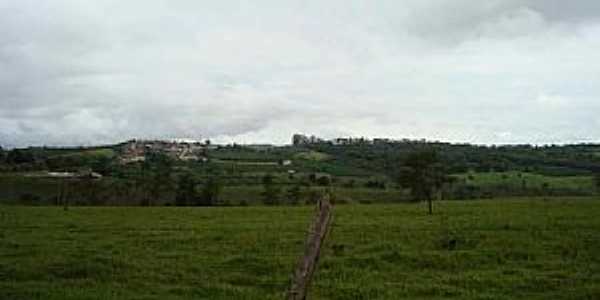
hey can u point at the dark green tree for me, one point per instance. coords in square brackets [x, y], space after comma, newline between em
[424, 174]
[20, 156]
[312, 178]
[157, 169]
[294, 194]
[597, 181]
[186, 190]
[211, 192]
[324, 181]
[102, 165]
[271, 191]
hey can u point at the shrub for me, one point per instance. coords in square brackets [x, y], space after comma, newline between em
[29, 198]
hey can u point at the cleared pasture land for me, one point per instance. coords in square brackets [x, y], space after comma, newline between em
[520, 179]
[149, 253]
[492, 249]
[496, 249]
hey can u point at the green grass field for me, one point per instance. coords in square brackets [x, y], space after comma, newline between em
[517, 179]
[149, 253]
[312, 155]
[496, 249]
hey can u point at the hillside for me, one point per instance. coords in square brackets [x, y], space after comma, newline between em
[357, 171]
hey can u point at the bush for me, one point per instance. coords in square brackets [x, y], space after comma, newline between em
[313, 197]
[29, 199]
[375, 184]
[271, 191]
[293, 195]
[324, 181]
[350, 184]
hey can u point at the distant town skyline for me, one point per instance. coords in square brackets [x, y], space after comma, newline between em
[482, 72]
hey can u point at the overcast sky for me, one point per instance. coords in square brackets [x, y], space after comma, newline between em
[493, 71]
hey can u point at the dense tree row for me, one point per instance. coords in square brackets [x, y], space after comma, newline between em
[548, 160]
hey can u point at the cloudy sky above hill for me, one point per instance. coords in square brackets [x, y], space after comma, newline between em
[494, 71]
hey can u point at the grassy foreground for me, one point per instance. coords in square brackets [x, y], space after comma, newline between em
[149, 253]
[497, 249]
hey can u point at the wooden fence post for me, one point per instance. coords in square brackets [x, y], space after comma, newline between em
[308, 262]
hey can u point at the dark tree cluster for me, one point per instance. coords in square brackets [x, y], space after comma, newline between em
[272, 192]
[211, 192]
[188, 195]
[382, 158]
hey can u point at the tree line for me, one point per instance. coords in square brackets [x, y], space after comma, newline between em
[423, 169]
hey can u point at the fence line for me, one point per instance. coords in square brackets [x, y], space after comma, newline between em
[308, 262]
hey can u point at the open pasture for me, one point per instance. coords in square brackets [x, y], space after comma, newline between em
[488, 249]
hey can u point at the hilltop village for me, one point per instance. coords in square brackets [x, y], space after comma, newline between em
[135, 150]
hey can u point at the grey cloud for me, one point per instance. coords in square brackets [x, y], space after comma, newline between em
[571, 11]
[493, 71]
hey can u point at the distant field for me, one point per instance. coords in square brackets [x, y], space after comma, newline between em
[497, 249]
[253, 194]
[312, 155]
[517, 179]
[100, 152]
[88, 152]
[247, 163]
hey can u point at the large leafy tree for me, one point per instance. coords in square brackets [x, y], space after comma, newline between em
[424, 174]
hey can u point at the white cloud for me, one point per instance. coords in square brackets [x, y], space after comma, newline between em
[552, 100]
[80, 73]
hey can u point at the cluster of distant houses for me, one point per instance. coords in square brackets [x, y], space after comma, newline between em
[135, 150]
[300, 139]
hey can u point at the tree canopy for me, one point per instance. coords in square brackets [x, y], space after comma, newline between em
[424, 174]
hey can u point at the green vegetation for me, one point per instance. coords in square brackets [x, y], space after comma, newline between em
[148, 253]
[272, 192]
[520, 179]
[359, 171]
[504, 249]
[187, 193]
[312, 155]
[95, 153]
[211, 192]
[496, 184]
[424, 175]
